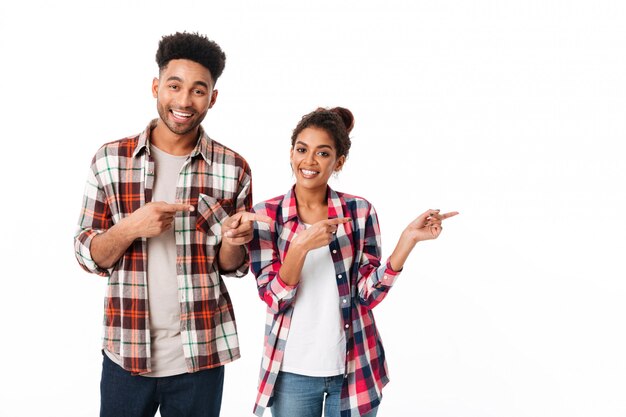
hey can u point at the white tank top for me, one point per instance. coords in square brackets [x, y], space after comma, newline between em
[316, 344]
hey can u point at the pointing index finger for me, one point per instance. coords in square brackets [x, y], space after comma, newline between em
[256, 217]
[174, 207]
[450, 214]
[339, 220]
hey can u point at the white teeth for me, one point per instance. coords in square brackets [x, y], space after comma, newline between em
[179, 114]
[307, 172]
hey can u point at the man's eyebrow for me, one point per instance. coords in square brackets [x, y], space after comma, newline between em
[202, 83]
[176, 78]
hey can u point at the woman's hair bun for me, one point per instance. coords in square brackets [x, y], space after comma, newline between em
[346, 116]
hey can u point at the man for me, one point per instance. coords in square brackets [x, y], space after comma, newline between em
[165, 213]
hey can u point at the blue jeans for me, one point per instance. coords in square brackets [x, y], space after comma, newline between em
[304, 396]
[198, 394]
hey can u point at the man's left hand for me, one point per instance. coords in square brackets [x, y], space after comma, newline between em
[237, 229]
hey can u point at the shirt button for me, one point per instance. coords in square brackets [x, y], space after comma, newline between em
[344, 301]
[339, 276]
[347, 325]
[385, 277]
[334, 250]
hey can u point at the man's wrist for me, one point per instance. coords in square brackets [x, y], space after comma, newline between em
[123, 231]
[230, 256]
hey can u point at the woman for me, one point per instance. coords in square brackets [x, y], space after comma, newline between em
[318, 270]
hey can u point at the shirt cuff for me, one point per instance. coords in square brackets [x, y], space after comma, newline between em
[387, 276]
[281, 290]
[83, 253]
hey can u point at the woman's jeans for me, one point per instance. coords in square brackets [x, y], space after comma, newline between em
[305, 396]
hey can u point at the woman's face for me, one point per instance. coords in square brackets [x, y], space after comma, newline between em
[314, 158]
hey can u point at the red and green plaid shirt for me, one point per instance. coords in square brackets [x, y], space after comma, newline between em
[361, 280]
[217, 182]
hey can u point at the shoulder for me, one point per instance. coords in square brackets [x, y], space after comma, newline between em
[355, 204]
[118, 148]
[221, 153]
[269, 207]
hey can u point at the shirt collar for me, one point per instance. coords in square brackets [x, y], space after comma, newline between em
[290, 210]
[203, 146]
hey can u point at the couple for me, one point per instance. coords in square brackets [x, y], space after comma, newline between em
[166, 213]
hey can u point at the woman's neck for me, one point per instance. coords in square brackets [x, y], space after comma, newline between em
[312, 204]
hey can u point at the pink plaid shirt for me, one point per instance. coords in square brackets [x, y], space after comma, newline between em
[362, 282]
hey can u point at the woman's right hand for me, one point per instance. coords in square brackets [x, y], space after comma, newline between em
[319, 234]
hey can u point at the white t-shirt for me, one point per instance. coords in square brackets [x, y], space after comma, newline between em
[167, 357]
[166, 353]
[316, 345]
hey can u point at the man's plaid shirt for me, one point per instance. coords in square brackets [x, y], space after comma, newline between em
[361, 279]
[217, 182]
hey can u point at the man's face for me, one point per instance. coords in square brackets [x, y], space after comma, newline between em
[184, 93]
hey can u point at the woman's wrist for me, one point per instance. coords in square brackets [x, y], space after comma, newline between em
[298, 245]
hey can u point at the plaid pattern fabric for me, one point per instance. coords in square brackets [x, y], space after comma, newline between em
[361, 279]
[217, 182]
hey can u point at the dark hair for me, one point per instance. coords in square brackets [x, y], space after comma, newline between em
[192, 46]
[337, 122]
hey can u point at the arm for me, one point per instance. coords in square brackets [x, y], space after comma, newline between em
[98, 243]
[95, 219]
[375, 280]
[318, 235]
[148, 221]
[265, 264]
[278, 281]
[232, 255]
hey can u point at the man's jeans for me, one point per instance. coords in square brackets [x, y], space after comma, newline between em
[198, 394]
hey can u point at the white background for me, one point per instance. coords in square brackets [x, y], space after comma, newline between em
[512, 113]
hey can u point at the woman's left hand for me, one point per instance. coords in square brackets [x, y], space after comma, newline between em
[427, 225]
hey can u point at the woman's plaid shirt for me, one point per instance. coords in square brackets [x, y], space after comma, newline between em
[217, 182]
[362, 282]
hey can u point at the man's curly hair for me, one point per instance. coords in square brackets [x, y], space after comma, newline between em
[194, 47]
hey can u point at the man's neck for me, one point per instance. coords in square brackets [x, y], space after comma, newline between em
[171, 143]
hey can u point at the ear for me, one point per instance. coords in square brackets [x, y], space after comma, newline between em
[291, 158]
[213, 98]
[339, 163]
[155, 87]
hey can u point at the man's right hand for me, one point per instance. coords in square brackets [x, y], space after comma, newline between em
[153, 219]
[149, 221]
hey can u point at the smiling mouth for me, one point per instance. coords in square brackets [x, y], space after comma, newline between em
[181, 115]
[306, 173]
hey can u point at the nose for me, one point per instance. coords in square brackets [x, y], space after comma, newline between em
[310, 158]
[184, 99]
